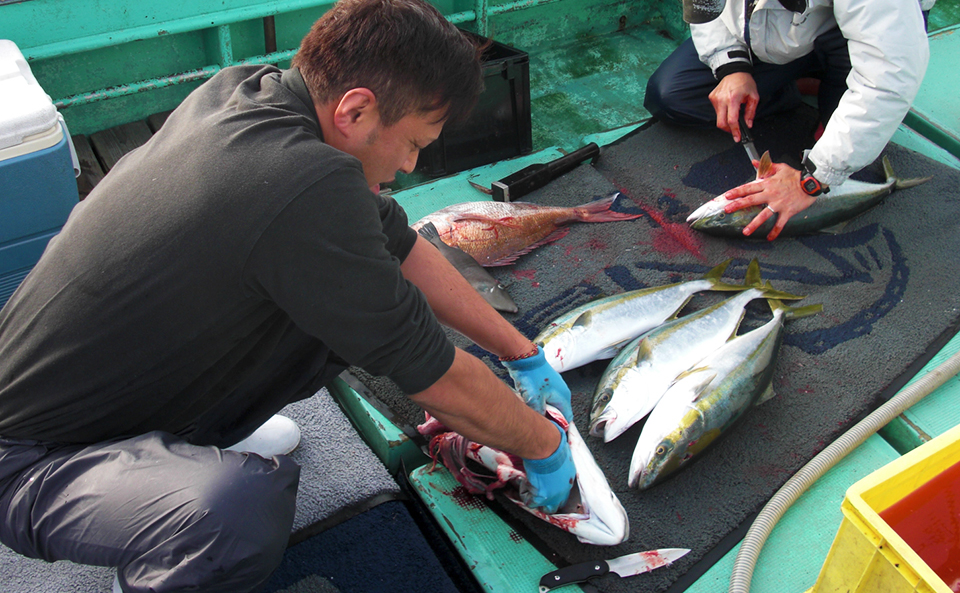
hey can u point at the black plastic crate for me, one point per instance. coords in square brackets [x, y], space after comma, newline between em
[498, 128]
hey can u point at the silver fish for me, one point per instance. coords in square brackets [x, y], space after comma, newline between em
[489, 288]
[643, 371]
[830, 212]
[600, 328]
[705, 401]
[593, 512]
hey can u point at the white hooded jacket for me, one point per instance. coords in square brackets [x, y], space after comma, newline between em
[888, 57]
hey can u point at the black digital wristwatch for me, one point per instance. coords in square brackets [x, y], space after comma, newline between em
[808, 183]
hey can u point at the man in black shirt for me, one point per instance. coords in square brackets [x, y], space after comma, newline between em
[231, 265]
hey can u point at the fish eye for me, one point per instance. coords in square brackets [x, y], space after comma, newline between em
[661, 450]
[605, 397]
[722, 215]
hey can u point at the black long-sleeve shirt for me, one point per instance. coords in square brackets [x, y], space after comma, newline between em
[215, 268]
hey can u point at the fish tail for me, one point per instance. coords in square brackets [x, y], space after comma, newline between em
[600, 210]
[753, 279]
[794, 312]
[901, 183]
[715, 276]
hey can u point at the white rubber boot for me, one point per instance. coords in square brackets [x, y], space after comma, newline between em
[277, 436]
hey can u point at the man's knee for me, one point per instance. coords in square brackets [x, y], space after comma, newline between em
[253, 496]
[232, 532]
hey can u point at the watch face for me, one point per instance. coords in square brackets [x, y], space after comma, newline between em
[811, 186]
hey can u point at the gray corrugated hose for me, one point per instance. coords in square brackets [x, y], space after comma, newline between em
[808, 474]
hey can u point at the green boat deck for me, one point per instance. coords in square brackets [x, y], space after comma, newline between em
[588, 75]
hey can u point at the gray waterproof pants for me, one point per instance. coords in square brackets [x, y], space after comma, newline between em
[169, 515]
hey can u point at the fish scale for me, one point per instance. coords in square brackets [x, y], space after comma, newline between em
[705, 401]
[600, 328]
[640, 374]
[830, 210]
[497, 233]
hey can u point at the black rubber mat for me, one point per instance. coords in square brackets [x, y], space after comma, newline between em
[888, 285]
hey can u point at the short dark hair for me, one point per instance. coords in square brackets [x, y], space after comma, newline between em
[405, 51]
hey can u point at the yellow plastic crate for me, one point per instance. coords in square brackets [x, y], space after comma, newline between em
[868, 556]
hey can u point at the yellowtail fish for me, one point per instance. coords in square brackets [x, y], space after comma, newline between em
[497, 233]
[643, 371]
[489, 288]
[600, 328]
[593, 512]
[705, 401]
[829, 213]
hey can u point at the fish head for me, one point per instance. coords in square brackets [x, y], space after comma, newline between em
[720, 220]
[711, 208]
[601, 413]
[657, 463]
[497, 296]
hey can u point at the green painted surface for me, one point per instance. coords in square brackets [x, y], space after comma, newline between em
[423, 199]
[935, 112]
[908, 138]
[796, 549]
[384, 438]
[592, 84]
[500, 559]
[939, 411]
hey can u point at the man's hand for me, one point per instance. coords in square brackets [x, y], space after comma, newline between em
[551, 478]
[538, 384]
[779, 190]
[731, 92]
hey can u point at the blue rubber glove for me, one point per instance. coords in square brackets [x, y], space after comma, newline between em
[550, 478]
[538, 384]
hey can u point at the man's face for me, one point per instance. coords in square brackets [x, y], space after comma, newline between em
[387, 150]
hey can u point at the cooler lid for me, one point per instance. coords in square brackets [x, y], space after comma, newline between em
[25, 110]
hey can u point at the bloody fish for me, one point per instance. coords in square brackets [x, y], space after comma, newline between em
[497, 233]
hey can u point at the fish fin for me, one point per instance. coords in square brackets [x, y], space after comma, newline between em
[768, 393]
[794, 312]
[583, 319]
[600, 210]
[512, 258]
[507, 221]
[770, 292]
[700, 389]
[429, 232]
[765, 164]
[752, 277]
[834, 229]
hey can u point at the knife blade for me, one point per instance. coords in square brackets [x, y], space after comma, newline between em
[624, 566]
[746, 138]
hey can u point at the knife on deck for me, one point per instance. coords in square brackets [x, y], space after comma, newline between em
[624, 566]
[746, 138]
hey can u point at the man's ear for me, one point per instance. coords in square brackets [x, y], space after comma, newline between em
[356, 113]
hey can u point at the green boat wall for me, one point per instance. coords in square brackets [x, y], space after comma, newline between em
[110, 62]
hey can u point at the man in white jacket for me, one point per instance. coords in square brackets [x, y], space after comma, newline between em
[869, 56]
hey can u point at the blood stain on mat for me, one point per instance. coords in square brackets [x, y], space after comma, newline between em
[596, 244]
[526, 275]
[683, 237]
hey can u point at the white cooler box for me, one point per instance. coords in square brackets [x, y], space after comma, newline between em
[38, 169]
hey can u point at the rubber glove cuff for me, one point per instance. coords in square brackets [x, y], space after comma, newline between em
[539, 384]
